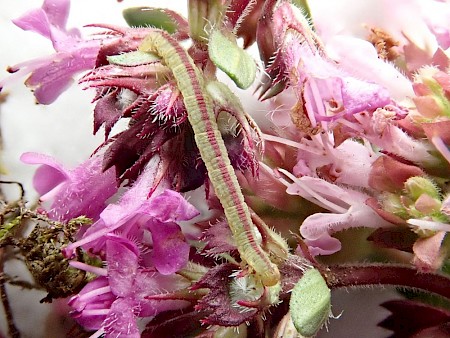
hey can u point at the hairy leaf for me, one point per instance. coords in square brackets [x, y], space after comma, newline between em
[310, 303]
[160, 18]
[232, 59]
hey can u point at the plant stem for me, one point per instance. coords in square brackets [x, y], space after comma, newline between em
[13, 332]
[402, 276]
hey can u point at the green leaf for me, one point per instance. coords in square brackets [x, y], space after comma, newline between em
[135, 58]
[232, 59]
[150, 17]
[310, 303]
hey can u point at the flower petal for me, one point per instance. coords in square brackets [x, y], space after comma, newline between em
[122, 265]
[170, 250]
[121, 321]
[171, 206]
[35, 20]
[81, 191]
[57, 11]
[49, 175]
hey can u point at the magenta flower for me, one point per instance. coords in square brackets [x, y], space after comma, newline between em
[51, 75]
[135, 215]
[113, 302]
[77, 192]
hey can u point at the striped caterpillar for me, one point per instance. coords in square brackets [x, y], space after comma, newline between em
[213, 152]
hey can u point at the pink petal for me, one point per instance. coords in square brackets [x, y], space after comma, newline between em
[35, 20]
[319, 227]
[49, 175]
[170, 206]
[358, 57]
[45, 91]
[93, 297]
[57, 12]
[122, 265]
[81, 191]
[50, 80]
[323, 245]
[86, 192]
[170, 250]
[427, 252]
[121, 321]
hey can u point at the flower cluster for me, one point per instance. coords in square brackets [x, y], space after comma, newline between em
[357, 138]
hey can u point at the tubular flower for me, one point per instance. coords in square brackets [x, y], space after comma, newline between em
[324, 90]
[80, 191]
[114, 301]
[135, 216]
[349, 163]
[347, 208]
[51, 75]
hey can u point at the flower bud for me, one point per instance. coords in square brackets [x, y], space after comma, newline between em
[432, 88]
[393, 204]
[417, 185]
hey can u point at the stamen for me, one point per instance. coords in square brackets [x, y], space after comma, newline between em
[96, 292]
[315, 196]
[89, 268]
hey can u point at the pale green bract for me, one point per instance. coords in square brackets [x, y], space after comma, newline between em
[310, 303]
[134, 58]
[232, 59]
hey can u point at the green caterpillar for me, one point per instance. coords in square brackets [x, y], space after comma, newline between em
[213, 152]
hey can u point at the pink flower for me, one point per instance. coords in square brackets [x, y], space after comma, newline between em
[381, 129]
[348, 163]
[347, 208]
[359, 58]
[135, 216]
[113, 302]
[137, 265]
[51, 75]
[77, 192]
[326, 91]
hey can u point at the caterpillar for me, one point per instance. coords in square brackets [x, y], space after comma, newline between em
[212, 149]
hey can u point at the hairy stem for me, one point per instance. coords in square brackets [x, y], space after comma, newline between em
[403, 276]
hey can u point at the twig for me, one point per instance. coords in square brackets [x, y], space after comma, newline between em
[12, 329]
